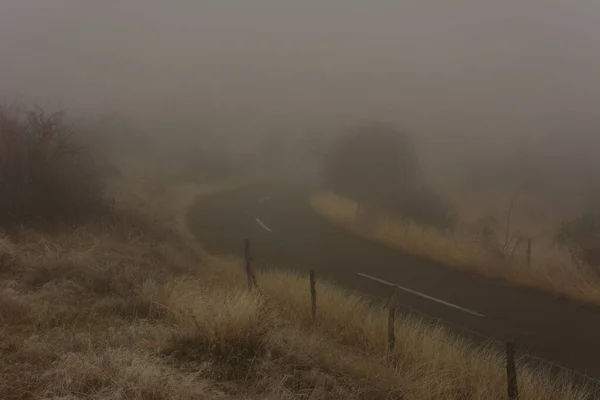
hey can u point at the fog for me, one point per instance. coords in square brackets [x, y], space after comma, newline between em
[455, 74]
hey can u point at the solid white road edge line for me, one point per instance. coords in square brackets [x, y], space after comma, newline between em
[263, 225]
[422, 295]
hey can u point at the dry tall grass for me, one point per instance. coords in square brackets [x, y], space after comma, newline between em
[218, 321]
[130, 307]
[551, 270]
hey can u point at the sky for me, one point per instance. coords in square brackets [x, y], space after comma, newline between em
[482, 69]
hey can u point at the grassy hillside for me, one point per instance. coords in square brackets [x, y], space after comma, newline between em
[124, 309]
[126, 305]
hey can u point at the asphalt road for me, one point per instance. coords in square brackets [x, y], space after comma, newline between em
[285, 232]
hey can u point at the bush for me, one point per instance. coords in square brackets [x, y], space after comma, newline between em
[45, 175]
[378, 166]
[373, 163]
[581, 236]
[427, 208]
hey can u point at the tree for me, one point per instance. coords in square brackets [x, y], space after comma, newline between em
[375, 164]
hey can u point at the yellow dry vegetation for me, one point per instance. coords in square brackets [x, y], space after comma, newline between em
[130, 307]
[551, 271]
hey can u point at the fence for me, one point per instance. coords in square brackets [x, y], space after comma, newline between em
[508, 347]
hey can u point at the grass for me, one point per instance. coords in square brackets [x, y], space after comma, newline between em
[126, 305]
[551, 271]
[114, 309]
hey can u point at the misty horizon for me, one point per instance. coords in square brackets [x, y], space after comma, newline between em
[462, 67]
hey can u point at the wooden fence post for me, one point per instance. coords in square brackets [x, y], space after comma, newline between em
[254, 283]
[248, 258]
[511, 372]
[313, 296]
[392, 322]
[529, 252]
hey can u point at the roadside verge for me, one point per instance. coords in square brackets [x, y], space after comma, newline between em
[572, 281]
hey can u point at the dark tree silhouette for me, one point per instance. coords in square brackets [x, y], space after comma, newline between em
[375, 164]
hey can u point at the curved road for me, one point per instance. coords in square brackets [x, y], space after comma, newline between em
[285, 232]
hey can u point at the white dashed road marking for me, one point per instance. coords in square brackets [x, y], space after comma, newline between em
[425, 296]
[262, 224]
[414, 292]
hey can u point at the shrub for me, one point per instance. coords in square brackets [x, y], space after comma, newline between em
[46, 176]
[373, 163]
[428, 208]
[378, 166]
[581, 236]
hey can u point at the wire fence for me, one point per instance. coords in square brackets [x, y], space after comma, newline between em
[501, 350]
[498, 345]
